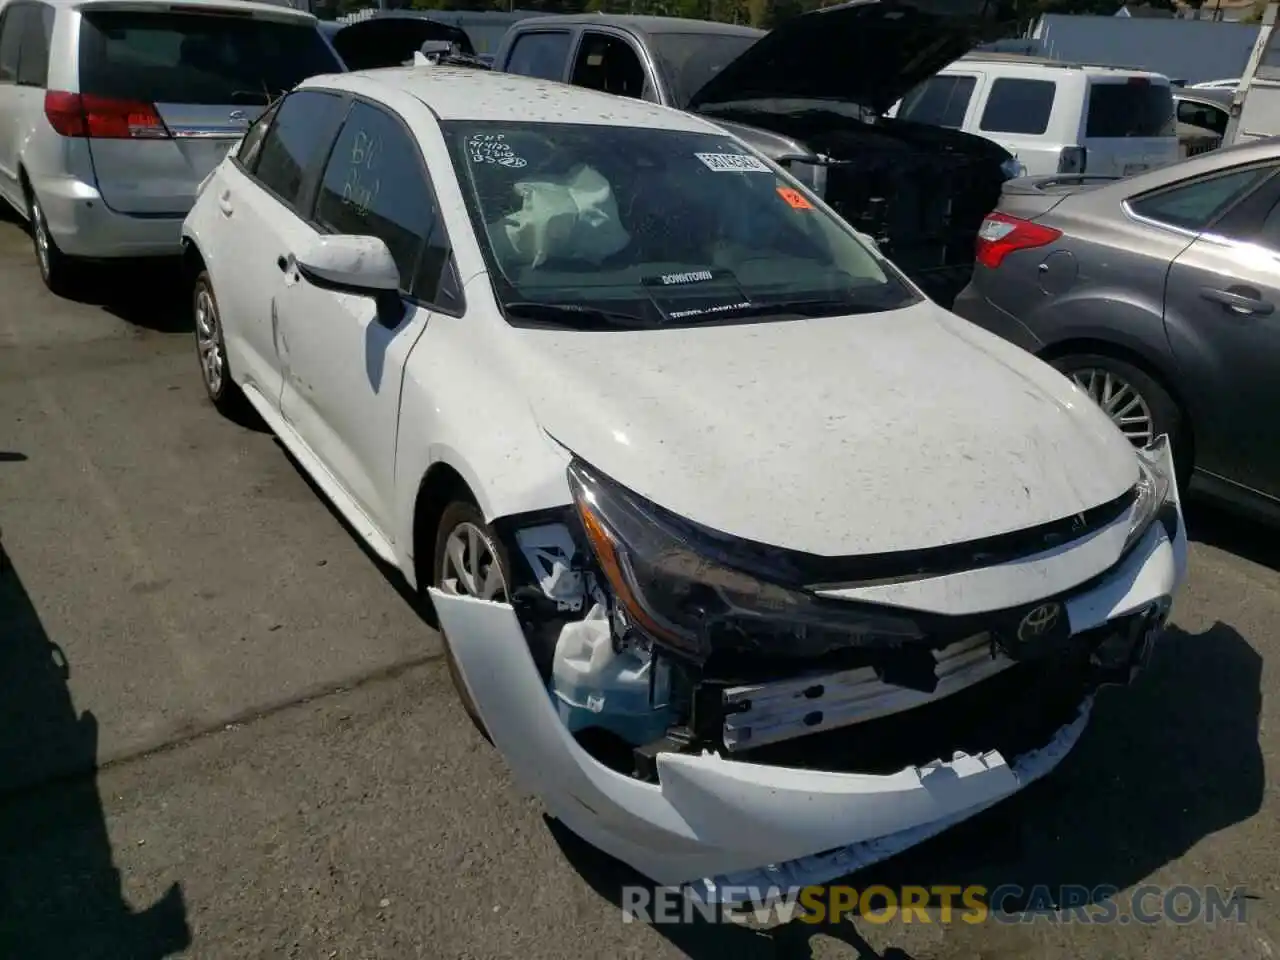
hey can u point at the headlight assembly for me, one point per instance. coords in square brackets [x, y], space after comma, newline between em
[1155, 483]
[676, 584]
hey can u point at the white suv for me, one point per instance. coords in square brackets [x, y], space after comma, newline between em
[112, 113]
[1053, 117]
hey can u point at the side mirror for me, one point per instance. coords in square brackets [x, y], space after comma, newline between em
[351, 264]
[354, 264]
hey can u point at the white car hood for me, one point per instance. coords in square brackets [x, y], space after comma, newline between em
[837, 436]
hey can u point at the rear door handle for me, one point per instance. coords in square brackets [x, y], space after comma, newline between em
[1243, 301]
[224, 203]
[283, 263]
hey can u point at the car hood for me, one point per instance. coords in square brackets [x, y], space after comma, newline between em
[865, 51]
[835, 436]
[390, 41]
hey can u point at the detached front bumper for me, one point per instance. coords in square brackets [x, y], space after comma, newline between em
[723, 824]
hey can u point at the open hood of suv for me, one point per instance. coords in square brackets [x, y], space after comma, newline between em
[391, 39]
[869, 52]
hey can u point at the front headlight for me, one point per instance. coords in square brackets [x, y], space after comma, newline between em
[1155, 484]
[697, 591]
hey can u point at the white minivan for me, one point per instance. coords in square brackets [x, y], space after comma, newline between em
[1053, 117]
[111, 112]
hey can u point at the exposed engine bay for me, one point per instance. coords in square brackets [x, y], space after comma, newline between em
[920, 192]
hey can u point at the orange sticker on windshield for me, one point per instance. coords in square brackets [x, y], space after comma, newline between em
[795, 198]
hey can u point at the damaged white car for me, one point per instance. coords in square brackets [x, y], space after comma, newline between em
[755, 564]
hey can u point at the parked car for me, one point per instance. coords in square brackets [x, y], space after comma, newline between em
[1202, 115]
[702, 489]
[1157, 295]
[111, 115]
[1054, 117]
[919, 191]
[391, 38]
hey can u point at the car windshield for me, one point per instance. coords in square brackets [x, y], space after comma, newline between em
[656, 227]
[688, 61]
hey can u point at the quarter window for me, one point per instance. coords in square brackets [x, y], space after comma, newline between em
[295, 143]
[376, 185]
[541, 55]
[251, 146]
[1018, 106]
[1194, 206]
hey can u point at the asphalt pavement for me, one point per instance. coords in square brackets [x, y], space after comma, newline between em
[226, 733]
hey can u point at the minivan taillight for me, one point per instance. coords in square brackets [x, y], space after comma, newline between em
[1001, 234]
[102, 118]
[1072, 160]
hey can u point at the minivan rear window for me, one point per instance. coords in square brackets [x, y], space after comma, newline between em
[197, 58]
[1137, 108]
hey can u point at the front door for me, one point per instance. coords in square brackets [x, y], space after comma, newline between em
[344, 354]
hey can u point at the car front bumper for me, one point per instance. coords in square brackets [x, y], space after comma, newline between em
[720, 824]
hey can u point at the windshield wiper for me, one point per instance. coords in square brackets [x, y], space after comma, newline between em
[816, 307]
[572, 314]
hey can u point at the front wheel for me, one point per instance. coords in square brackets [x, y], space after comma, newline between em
[468, 561]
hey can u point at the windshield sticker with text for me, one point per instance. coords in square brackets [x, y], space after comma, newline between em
[493, 148]
[732, 163]
[795, 199]
[694, 276]
[704, 311]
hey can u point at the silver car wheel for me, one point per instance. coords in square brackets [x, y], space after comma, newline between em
[40, 231]
[470, 566]
[208, 342]
[1120, 401]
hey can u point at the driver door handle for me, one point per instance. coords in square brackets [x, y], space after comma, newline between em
[1242, 301]
[283, 263]
[224, 203]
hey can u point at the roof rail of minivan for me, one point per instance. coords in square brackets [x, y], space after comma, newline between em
[995, 56]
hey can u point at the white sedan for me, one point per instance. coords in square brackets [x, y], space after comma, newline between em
[742, 548]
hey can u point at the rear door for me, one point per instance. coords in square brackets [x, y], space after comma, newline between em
[25, 32]
[1222, 313]
[1128, 125]
[175, 87]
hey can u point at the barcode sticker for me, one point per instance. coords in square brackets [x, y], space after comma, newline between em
[732, 163]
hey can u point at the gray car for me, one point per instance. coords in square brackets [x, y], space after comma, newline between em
[1157, 294]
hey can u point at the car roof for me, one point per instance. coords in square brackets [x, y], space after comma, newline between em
[1047, 63]
[466, 93]
[641, 23]
[280, 9]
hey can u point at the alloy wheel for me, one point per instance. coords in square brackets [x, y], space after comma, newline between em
[209, 342]
[470, 566]
[1119, 400]
[40, 232]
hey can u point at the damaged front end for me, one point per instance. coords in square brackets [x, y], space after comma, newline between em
[705, 710]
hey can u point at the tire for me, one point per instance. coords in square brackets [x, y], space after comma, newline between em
[57, 270]
[1154, 401]
[211, 352]
[458, 516]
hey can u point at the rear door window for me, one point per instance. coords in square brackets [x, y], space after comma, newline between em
[1016, 105]
[297, 143]
[543, 54]
[33, 59]
[1137, 108]
[12, 19]
[1194, 206]
[195, 58]
[941, 101]
[608, 63]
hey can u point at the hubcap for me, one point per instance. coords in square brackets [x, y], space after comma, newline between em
[1125, 406]
[40, 232]
[208, 341]
[470, 567]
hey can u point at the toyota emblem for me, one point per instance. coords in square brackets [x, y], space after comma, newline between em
[1039, 622]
